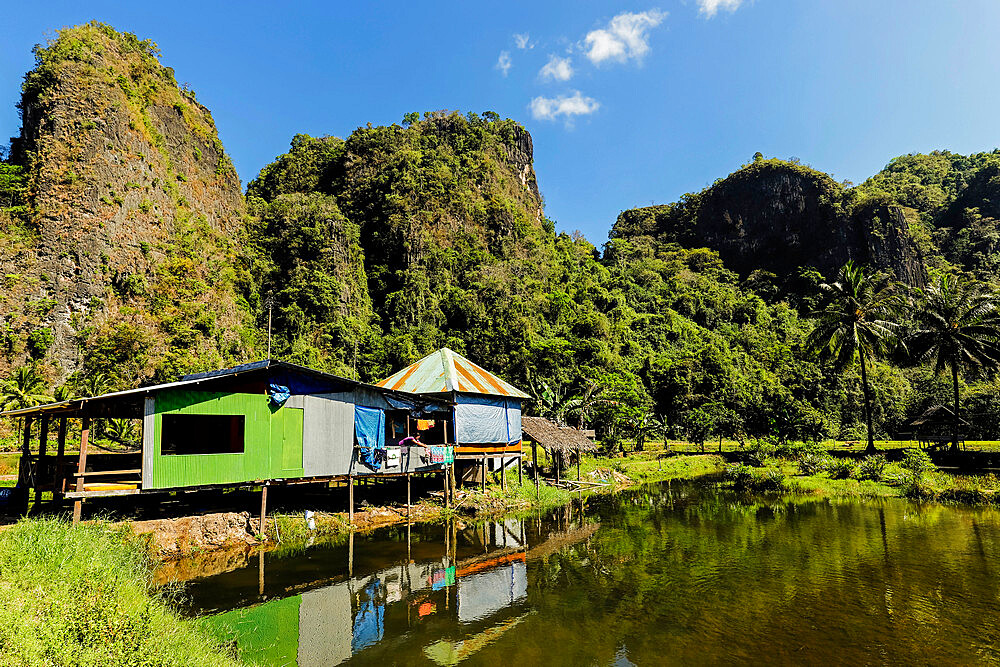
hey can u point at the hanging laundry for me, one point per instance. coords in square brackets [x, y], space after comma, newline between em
[426, 609]
[425, 424]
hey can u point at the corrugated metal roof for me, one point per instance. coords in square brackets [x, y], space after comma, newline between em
[208, 377]
[445, 371]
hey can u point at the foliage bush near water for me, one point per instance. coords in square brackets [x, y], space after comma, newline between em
[83, 596]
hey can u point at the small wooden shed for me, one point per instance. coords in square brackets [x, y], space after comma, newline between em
[934, 427]
[563, 443]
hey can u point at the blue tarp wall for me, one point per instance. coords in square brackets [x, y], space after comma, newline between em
[487, 419]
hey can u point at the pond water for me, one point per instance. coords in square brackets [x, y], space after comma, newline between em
[676, 574]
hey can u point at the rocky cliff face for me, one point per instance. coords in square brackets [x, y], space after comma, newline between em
[135, 210]
[779, 216]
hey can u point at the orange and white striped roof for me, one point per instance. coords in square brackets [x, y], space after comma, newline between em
[446, 371]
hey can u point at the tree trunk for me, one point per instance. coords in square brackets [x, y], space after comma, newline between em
[957, 423]
[870, 448]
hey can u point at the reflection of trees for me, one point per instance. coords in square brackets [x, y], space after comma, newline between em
[793, 579]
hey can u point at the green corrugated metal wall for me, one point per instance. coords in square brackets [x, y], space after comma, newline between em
[272, 441]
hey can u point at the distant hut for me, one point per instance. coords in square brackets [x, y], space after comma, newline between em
[934, 427]
[563, 443]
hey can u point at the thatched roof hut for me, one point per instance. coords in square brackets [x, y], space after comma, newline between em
[554, 438]
[935, 424]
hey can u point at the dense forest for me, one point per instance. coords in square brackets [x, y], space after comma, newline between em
[129, 256]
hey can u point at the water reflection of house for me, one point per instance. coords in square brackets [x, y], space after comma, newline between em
[480, 584]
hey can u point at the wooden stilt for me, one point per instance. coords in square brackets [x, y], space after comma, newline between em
[263, 512]
[43, 441]
[61, 458]
[503, 473]
[444, 478]
[520, 469]
[350, 500]
[24, 466]
[578, 463]
[407, 497]
[484, 473]
[557, 459]
[534, 465]
[81, 469]
[451, 478]
[350, 554]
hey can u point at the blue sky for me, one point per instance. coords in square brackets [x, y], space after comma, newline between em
[628, 103]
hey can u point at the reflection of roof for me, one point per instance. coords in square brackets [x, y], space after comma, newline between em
[446, 371]
[554, 437]
[936, 415]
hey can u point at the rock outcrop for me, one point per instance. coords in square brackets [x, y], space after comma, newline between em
[136, 211]
[778, 216]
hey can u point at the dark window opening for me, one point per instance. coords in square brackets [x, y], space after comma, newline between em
[202, 434]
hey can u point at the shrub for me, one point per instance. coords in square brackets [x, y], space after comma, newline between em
[873, 468]
[812, 463]
[842, 469]
[746, 478]
[917, 462]
[759, 454]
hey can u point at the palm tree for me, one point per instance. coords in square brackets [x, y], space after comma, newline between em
[857, 322]
[24, 389]
[584, 403]
[958, 326]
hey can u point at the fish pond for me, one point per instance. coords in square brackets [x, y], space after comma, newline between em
[667, 574]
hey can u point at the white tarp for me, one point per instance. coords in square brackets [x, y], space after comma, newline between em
[487, 419]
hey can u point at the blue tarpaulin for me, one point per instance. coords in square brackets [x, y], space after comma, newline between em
[279, 393]
[369, 432]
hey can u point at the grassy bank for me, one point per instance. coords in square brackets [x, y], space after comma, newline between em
[84, 596]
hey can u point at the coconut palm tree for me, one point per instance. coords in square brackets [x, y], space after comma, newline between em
[958, 326]
[24, 389]
[857, 322]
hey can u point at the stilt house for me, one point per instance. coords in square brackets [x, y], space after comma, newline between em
[486, 411]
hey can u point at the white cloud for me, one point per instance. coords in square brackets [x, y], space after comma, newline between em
[567, 106]
[711, 7]
[557, 69]
[503, 62]
[523, 41]
[625, 35]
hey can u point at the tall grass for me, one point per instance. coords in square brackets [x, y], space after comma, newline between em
[83, 596]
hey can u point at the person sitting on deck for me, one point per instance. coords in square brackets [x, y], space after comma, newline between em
[412, 440]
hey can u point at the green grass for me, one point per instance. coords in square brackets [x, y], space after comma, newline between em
[83, 596]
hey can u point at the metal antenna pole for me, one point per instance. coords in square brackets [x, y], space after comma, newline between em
[269, 302]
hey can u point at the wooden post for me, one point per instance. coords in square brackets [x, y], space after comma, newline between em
[534, 465]
[60, 485]
[407, 496]
[484, 473]
[578, 456]
[24, 467]
[43, 440]
[503, 473]
[557, 459]
[452, 480]
[520, 468]
[350, 554]
[444, 477]
[350, 501]
[81, 469]
[263, 512]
